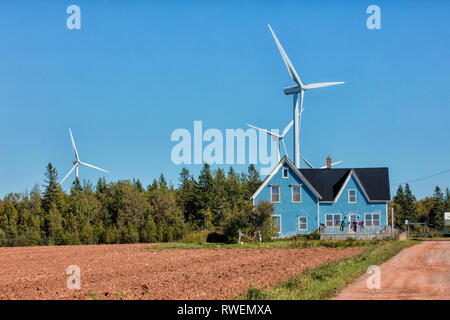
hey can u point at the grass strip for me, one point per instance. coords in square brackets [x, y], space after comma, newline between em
[326, 281]
[299, 243]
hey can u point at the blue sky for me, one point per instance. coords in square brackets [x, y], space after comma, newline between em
[138, 70]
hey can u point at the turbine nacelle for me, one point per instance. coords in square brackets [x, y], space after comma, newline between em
[292, 90]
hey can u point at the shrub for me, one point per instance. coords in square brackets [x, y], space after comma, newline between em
[249, 219]
[195, 238]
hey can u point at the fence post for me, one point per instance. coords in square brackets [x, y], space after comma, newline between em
[392, 222]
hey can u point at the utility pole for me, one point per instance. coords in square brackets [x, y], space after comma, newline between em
[392, 222]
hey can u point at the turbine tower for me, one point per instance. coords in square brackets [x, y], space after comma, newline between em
[276, 137]
[297, 90]
[77, 161]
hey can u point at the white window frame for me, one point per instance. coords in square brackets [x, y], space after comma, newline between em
[333, 220]
[356, 198]
[292, 193]
[371, 219]
[287, 172]
[298, 223]
[278, 215]
[279, 193]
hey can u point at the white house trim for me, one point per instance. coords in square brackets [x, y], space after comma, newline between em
[287, 173]
[352, 172]
[292, 193]
[356, 196]
[278, 215]
[276, 169]
[279, 193]
[298, 223]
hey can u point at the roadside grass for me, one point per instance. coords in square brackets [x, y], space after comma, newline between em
[93, 295]
[298, 243]
[326, 281]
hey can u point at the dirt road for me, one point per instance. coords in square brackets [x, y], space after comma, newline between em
[133, 272]
[419, 272]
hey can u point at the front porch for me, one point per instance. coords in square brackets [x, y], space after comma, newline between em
[358, 232]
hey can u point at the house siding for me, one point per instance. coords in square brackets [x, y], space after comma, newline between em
[361, 207]
[288, 210]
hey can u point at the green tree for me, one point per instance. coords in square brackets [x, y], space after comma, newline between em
[436, 215]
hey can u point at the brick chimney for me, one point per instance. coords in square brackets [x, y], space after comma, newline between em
[328, 162]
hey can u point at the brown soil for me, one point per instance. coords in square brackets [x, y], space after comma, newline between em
[133, 272]
[419, 272]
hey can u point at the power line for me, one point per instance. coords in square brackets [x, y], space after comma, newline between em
[423, 178]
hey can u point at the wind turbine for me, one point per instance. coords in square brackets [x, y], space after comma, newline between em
[276, 137]
[77, 162]
[300, 88]
[323, 167]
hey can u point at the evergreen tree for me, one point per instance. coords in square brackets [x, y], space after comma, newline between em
[436, 215]
[447, 200]
[253, 181]
[409, 209]
[52, 193]
[399, 205]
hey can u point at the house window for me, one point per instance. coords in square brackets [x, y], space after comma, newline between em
[277, 220]
[275, 194]
[302, 223]
[372, 219]
[352, 196]
[285, 172]
[296, 193]
[333, 220]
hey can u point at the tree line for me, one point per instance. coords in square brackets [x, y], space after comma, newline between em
[126, 212]
[429, 210]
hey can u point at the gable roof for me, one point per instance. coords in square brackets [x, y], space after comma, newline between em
[297, 172]
[330, 182]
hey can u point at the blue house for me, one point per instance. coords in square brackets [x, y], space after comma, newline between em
[337, 202]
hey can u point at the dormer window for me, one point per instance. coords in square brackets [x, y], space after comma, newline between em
[352, 196]
[285, 173]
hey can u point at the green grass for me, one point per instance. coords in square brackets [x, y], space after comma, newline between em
[92, 295]
[275, 244]
[329, 279]
[119, 294]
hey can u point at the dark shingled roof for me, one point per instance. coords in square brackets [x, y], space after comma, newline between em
[328, 182]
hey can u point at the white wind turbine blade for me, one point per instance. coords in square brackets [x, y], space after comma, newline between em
[73, 145]
[285, 150]
[333, 164]
[307, 162]
[320, 85]
[68, 173]
[90, 165]
[286, 60]
[265, 131]
[287, 128]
